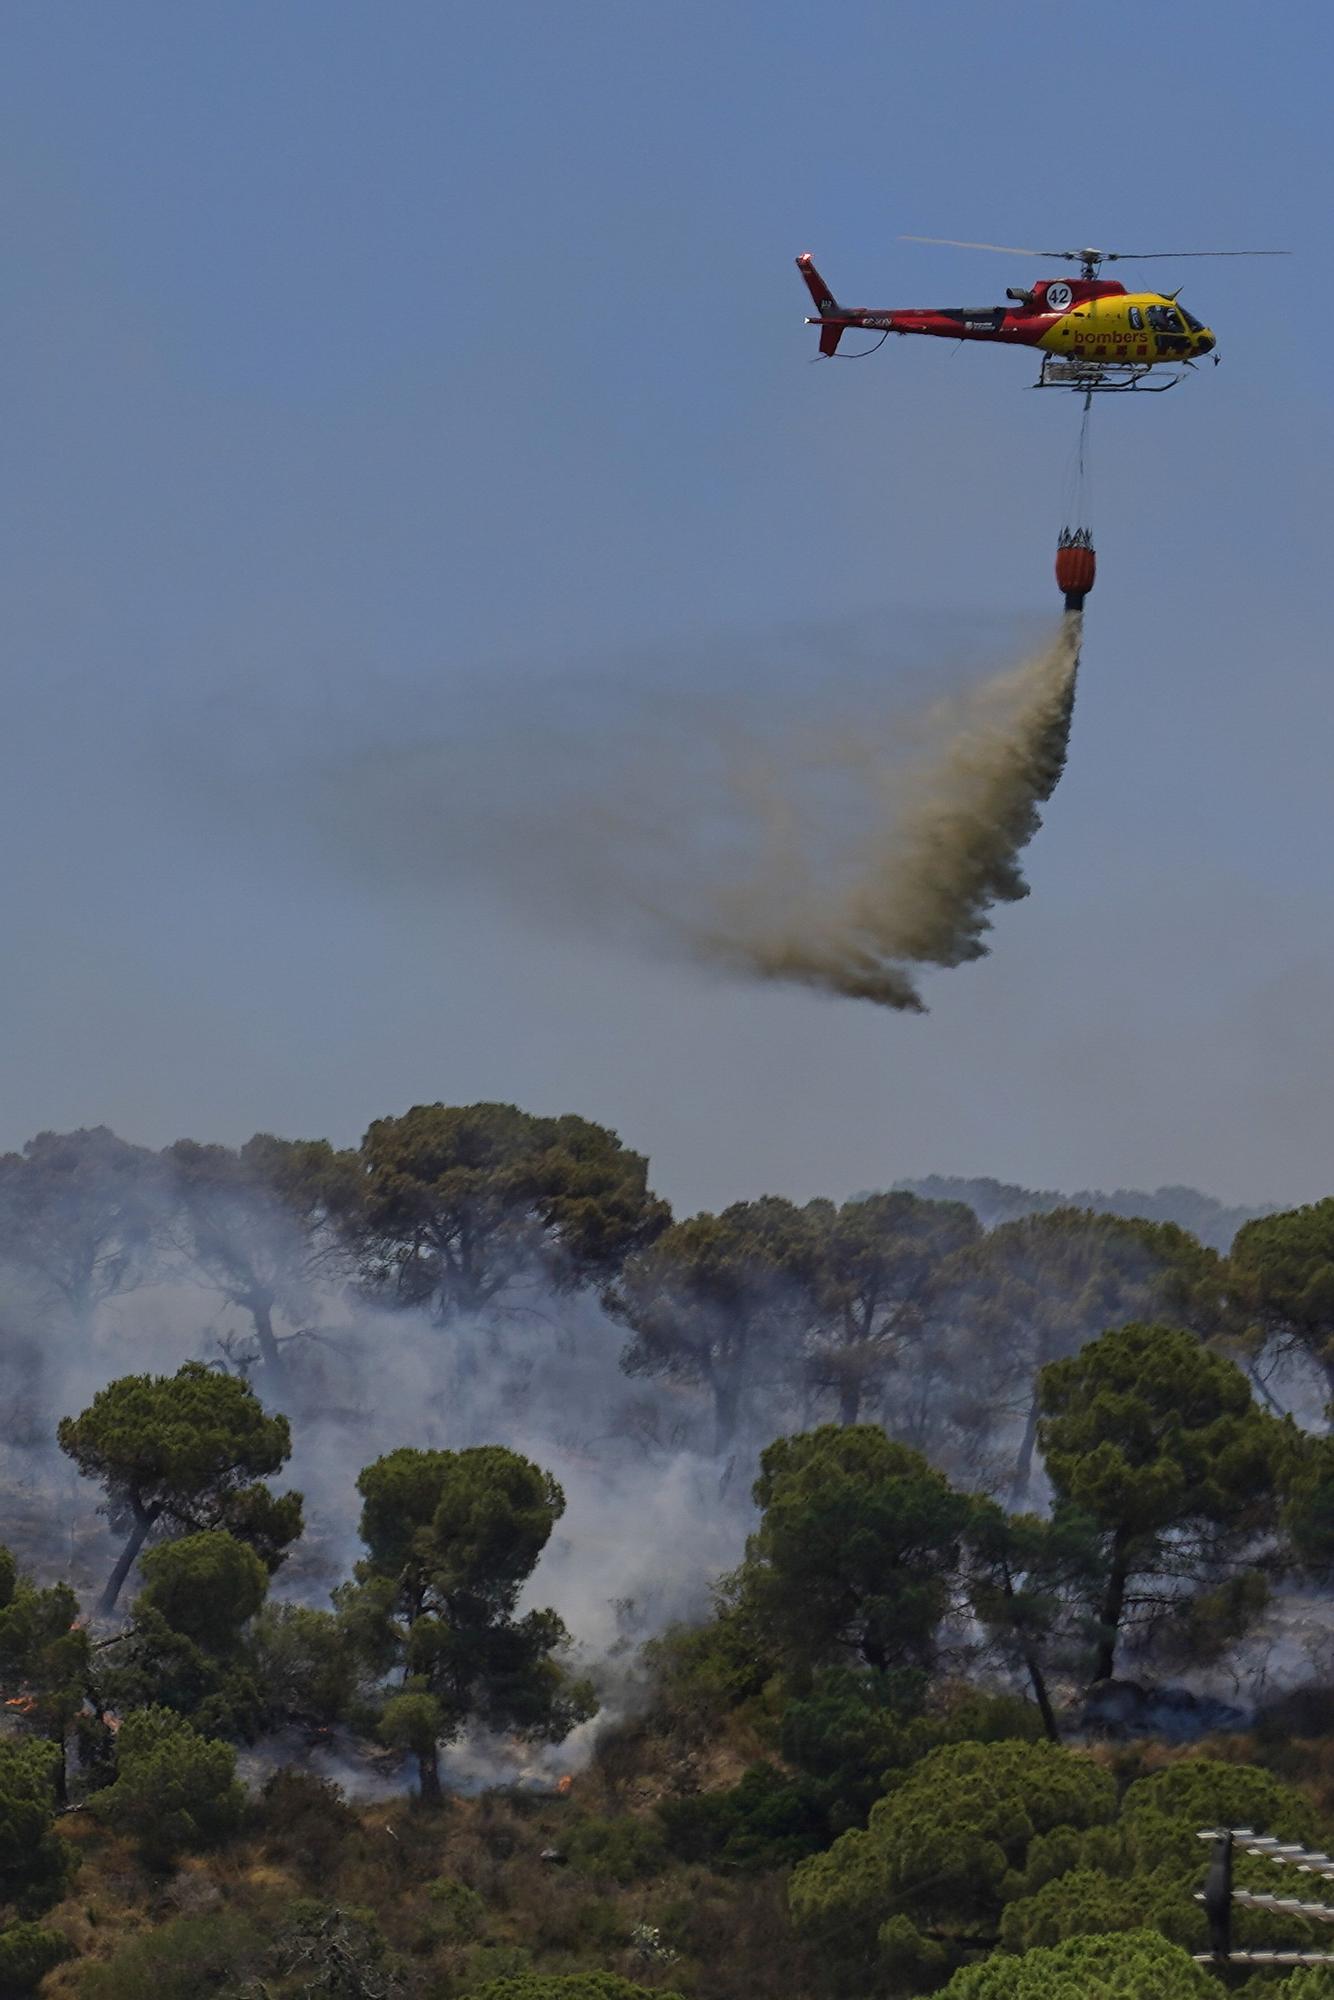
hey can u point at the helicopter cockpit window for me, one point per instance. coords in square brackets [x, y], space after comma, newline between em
[1136, 318]
[1163, 319]
[1195, 325]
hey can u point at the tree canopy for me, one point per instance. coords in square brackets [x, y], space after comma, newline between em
[260, 1224]
[459, 1204]
[849, 1779]
[1132, 1965]
[993, 1201]
[1157, 1442]
[78, 1211]
[857, 1545]
[182, 1453]
[1038, 1289]
[1282, 1272]
[942, 1850]
[879, 1269]
[206, 1586]
[723, 1300]
[451, 1538]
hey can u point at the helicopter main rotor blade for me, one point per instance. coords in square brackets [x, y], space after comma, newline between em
[1006, 250]
[1142, 256]
[1088, 256]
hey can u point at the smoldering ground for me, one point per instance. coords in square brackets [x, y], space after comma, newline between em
[838, 843]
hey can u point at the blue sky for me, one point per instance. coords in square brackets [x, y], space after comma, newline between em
[359, 355]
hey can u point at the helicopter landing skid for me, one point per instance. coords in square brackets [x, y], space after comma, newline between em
[1088, 378]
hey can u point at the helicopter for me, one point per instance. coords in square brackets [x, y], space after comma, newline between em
[1093, 335]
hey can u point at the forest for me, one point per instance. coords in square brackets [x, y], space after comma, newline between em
[435, 1568]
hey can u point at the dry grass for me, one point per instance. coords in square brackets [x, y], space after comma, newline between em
[385, 1858]
[729, 1934]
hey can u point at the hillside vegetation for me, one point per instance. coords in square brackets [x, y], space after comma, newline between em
[1033, 1534]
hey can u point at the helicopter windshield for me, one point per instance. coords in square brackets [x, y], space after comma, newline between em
[1164, 319]
[1195, 325]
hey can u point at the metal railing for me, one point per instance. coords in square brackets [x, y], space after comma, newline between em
[1220, 1898]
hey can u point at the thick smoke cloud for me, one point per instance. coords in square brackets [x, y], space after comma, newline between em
[651, 1520]
[837, 850]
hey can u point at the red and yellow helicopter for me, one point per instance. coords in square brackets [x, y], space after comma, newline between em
[1092, 334]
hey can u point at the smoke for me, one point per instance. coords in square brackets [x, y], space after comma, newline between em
[646, 1528]
[837, 850]
[651, 1519]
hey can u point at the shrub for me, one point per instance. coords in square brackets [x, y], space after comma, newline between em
[852, 1731]
[180, 1961]
[334, 1949]
[568, 1986]
[35, 1863]
[849, 1730]
[204, 1586]
[621, 1850]
[174, 1790]
[27, 1954]
[458, 1912]
[768, 1820]
[701, 1673]
[306, 1820]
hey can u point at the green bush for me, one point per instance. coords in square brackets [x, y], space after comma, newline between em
[619, 1850]
[305, 1820]
[850, 1730]
[457, 1912]
[180, 1961]
[768, 1820]
[175, 1790]
[568, 1986]
[35, 1863]
[853, 1730]
[702, 1673]
[493, 1964]
[205, 1586]
[27, 1954]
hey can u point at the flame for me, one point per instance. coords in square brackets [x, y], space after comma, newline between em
[564, 1785]
[26, 1704]
[110, 1720]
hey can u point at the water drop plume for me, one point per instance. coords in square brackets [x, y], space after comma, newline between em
[934, 844]
[840, 843]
